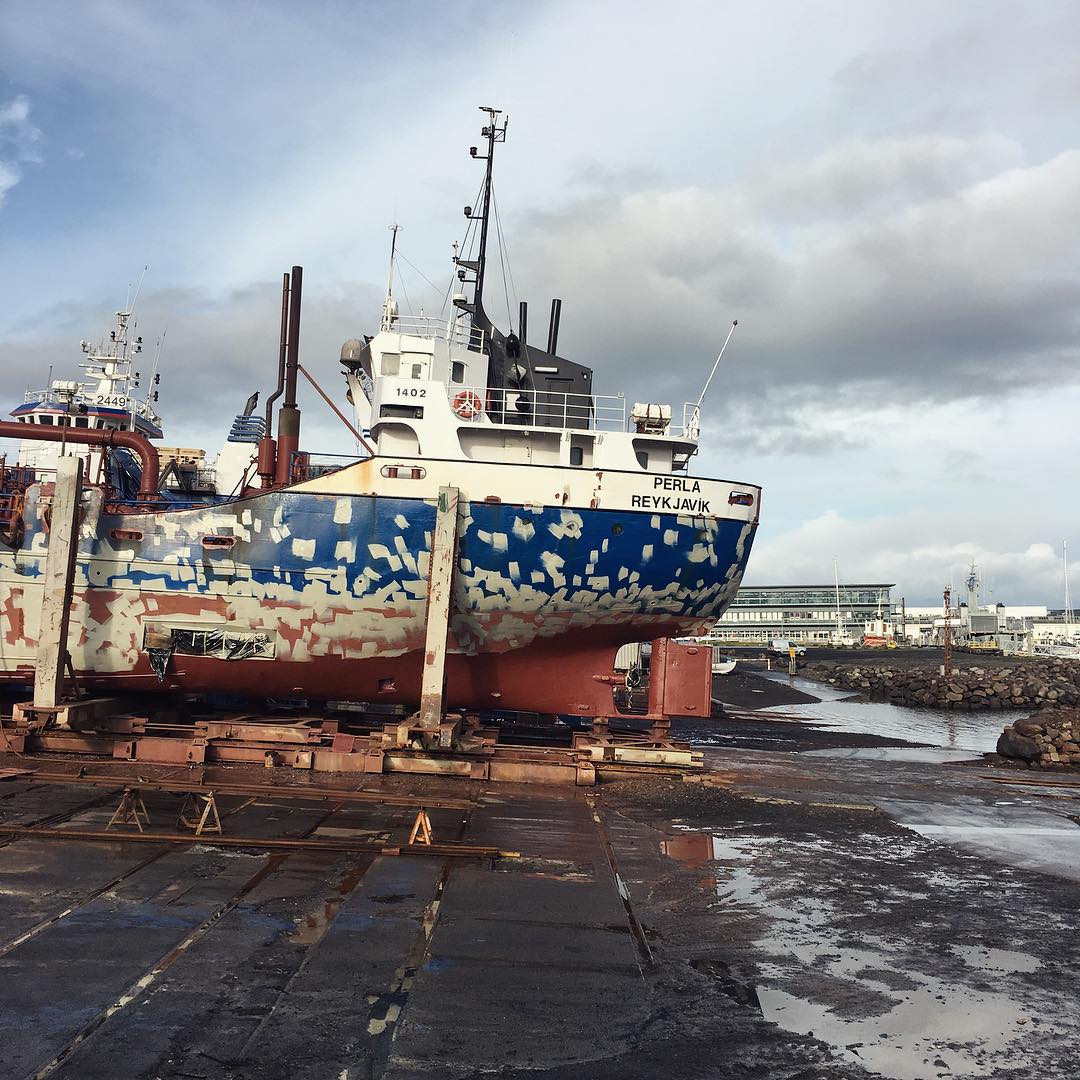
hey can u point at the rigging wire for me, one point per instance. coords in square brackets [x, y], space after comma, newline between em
[504, 247]
[464, 253]
[507, 267]
[502, 263]
[420, 272]
[408, 302]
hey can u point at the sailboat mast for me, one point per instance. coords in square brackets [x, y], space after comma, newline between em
[839, 616]
[1068, 613]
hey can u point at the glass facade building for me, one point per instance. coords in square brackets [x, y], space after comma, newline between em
[805, 613]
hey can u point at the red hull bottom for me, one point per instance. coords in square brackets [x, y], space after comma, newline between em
[554, 675]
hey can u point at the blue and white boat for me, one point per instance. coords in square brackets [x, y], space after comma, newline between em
[581, 528]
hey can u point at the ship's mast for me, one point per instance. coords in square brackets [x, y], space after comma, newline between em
[494, 133]
[389, 314]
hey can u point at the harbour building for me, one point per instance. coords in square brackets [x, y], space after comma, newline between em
[807, 613]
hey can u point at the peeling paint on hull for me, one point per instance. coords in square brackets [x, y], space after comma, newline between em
[335, 585]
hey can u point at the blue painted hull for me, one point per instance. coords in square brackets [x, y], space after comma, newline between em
[332, 591]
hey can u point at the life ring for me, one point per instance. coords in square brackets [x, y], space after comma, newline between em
[467, 404]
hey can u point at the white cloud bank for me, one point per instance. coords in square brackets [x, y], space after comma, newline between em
[20, 142]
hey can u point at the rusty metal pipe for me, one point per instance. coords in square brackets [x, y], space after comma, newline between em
[148, 455]
[292, 358]
[282, 352]
[267, 462]
[288, 441]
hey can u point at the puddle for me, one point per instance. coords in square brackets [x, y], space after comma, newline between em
[873, 1007]
[934, 755]
[311, 928]
[987, 959]
[975, 731]
[935, 1030]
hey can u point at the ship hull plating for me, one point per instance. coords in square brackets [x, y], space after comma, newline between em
[322, 593]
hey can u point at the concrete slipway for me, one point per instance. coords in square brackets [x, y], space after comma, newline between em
[819, 909]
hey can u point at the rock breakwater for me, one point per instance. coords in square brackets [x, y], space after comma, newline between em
[1048, 740]
[1038, 684]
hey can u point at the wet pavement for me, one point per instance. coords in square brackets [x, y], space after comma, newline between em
[837, 906]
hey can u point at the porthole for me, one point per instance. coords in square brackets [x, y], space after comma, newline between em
[616, 529]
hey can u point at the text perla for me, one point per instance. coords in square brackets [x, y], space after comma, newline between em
[668, 502]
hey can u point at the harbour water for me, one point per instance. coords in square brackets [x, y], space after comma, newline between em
[839, 710]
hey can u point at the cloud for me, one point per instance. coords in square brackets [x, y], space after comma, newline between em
[920, 268]
[859, 177]
[869, 551]
[20, 142]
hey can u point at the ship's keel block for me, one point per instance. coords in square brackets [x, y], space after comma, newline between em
[458, 745]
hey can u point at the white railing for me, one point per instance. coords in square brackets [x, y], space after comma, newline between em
[691, 421]
[49, 397]
[546, 408]
[455, 332]
[542, 408]
[82, 397]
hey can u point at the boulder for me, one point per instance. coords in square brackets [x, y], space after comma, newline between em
[1014, 745]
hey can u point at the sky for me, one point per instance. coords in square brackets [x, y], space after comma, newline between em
[886, 197]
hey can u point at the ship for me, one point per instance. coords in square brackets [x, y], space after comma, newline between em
[579, 527]
[106, 398]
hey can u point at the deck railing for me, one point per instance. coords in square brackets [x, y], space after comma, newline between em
[456, 333]
[546, 408]
[309, 465]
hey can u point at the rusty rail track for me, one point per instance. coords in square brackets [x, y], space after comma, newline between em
[1036, 780]
[300, 792]
[279, 843]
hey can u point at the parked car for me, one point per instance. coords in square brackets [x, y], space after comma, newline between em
[781, 647]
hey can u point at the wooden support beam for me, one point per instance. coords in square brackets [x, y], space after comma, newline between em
[51, 656]
[439, 603]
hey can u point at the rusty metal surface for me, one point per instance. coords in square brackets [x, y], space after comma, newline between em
[67, 835]
[291, 792]
[315, 744]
